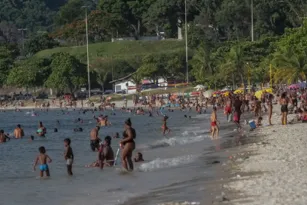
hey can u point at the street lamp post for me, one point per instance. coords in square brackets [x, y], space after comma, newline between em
[87, 52]
[23, 37]
[252, 20]
[186, 40]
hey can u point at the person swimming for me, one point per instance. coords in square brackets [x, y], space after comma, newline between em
[139, 157]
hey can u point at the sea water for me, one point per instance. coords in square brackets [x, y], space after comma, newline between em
[173, 161]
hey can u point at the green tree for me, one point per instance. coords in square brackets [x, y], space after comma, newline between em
[39, 42]
[202, 64]
[70, 12]
[8, 54]
[29, 73]
[67, 73]
[291, 65]
[235, 65]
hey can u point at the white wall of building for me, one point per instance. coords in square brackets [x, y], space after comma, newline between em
[130, 89]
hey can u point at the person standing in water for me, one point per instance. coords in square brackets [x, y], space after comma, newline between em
[3, 137]
[18, 132]
[214, 126]
[42, 158]
[284, 108]
[95, 139]
[68, 156]
[41, 131]
[164, 126]
[128, 145]
[105, 153]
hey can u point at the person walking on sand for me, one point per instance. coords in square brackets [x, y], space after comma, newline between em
[214, 126]
[18, 132]
[284, 108]
[270, 108]
[128, 145]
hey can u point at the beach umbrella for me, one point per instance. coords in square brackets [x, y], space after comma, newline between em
[208, 93]
[239, 91]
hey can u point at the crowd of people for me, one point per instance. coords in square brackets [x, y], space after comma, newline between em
[233, 105]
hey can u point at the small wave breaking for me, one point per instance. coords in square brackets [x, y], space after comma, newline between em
[166, 163]
[177, 141]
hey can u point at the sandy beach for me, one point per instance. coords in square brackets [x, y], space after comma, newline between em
[279, 162]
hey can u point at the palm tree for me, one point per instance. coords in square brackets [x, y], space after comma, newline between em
[291, 65]
[202, 64]
[235, 64]
[136, 78]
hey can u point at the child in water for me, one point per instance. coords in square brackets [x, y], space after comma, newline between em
[164, 126]
[42, 158]
[139, 157]
[68, 155]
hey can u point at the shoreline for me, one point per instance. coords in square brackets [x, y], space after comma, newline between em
[271, 171]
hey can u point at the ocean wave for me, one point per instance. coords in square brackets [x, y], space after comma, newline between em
[166, 163]
[167, 142]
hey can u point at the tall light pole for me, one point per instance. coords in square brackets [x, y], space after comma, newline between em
[23, 37]
[87, 54]
[252, 20]
[186, 40]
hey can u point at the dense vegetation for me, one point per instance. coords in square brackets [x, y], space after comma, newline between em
[219, 36]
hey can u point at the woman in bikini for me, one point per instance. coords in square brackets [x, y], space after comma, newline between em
[128, 145]
[214, 127]
[164, 126]
[284, 108]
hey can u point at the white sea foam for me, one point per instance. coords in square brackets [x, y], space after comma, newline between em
[178, 141]
[166, 163]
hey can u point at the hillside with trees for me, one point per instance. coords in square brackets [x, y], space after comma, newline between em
[37, 36]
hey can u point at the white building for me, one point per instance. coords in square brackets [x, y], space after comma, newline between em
[125, 84]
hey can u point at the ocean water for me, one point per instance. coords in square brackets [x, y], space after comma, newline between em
[174, 167]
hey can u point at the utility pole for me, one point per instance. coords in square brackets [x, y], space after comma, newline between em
[87, 51]
[23, 37]
[186, 40]
[252, 20]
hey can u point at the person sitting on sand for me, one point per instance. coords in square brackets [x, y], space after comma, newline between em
[18, 132]
[259, 121]
[139, 157]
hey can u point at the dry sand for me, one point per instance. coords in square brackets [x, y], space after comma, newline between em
[281, 158]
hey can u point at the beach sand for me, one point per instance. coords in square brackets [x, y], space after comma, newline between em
[272, 171]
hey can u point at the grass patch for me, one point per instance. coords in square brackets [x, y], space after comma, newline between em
[120, 49]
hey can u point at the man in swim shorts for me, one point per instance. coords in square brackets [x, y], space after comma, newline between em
[95, 139]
